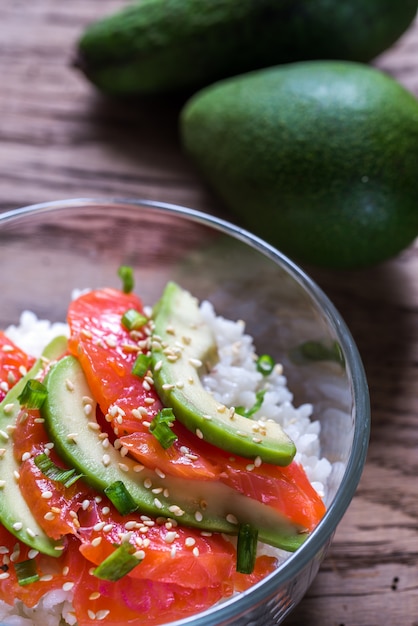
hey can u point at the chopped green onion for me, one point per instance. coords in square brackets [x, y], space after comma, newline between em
[318, 351]
[259, 399]
[161, 425]
[141, 365]
[246, 548]
[125, 272]
[265, 364]
[26, 572]
[52, 471]
[133, 319]
[33, 395]
[119, 563]
[120, 497]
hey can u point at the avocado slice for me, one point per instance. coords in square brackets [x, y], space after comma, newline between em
[15, 514]
[182, 345]
[208, 505]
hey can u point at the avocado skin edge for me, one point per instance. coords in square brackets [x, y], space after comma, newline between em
[160, 46]
[319, 158]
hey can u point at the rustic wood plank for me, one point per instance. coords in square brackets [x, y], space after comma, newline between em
[59, 138]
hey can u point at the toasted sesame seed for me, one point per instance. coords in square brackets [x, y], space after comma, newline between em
[199, 433]
[93, 426]
[67, 586]
[107, 528]
[140, 555]
[88, 409]
[159, 472]
[94, 596]
[195, 362]
[4, 434]
[123, 467]
[49, 517]
[46, 578]
[69, 384]
[130, 525]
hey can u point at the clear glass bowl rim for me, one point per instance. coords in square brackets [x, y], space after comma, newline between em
[325, 530]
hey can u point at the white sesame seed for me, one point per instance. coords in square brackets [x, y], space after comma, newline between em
[46, 495]
[231, 519]
[159, 472]
[96, 541]
[67, 586]
[140, 555]
[199, 433]
[49, 517]
[196, 551]
[3, 433]
[190, 541]
[198, 516]
[106, 460]
[17, 526]
[158, 503]
[69, 385]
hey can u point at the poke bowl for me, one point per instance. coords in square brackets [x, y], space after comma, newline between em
[252, 517]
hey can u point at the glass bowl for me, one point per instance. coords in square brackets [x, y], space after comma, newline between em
[49, 249]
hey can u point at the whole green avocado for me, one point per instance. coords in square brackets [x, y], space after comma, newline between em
[160, 46]
[320, 158]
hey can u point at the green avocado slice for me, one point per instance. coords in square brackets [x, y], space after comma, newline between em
[182, 345]
[15, 514]
[208, 505]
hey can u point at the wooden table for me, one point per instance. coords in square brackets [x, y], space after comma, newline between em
[60, 139]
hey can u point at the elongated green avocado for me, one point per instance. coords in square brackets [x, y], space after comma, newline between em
[15, 514]
[160, 46]
[69, 413]
[184, 346]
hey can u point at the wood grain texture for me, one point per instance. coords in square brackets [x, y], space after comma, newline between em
[60, 139]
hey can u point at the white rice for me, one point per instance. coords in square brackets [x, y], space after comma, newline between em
[234, 381]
